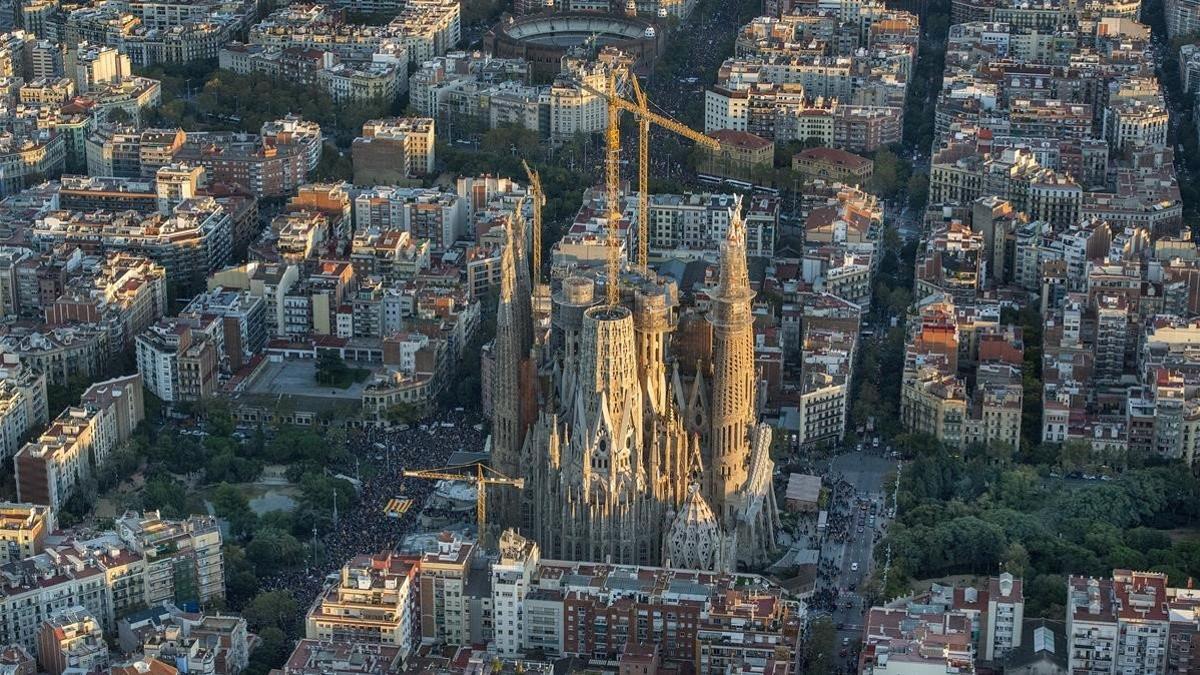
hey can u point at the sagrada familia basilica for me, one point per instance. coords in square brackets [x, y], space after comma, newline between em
[625, 458]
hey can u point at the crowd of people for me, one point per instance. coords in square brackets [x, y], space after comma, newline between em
[844, 511]
[381, 457]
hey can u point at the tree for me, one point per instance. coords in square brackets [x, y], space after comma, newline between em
[240, 581]
[1045, 596]
[293, 444]
[514, 140]
[918, 191]
[164, 493]
[231, 504]
[887, 176]
[318, 490]
[820, 651]
[272, 609]
[271, 652]
[331, 368]
[118, 116]
[1075, 455]
[1016, 560]
[334, 165]
[272, 550]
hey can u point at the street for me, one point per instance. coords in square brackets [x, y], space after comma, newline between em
[857, 509]
[864, 473]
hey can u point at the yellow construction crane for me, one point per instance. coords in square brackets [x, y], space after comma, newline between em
[476, 474]
[641, 110]
[539, 200]
[612, 185]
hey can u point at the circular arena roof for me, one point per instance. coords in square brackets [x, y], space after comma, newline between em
[568, 30]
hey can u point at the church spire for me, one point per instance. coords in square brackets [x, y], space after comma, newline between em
[733, 411]
[734, 280]
[518, 235]
[506, 386]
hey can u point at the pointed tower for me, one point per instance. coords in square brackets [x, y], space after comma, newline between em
[506, 391]
[519, 238]
[732, 405]
[694, 540]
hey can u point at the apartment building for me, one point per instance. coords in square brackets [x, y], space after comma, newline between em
[265, 169]
[946, 342]
[954, 261]
[28, 157]
[107, 577]
[827, 363]
[125, 151]
[393, 149]
[691, 224]
[575, 109]
[430, 83]
[22, 402]
[784, 112]
[1183, 17]
[77, 441]
[72, 640]
[1120, 624]
[1002, 624]
[122, 397]
[270, 281]
[124, 294]
[18, 660]
[423, 213]
[318, 657]
[183, 559]
[218, 644]
[23, 530]
[512, 576]
[381, 78]
[178, 360]
[702, 620]
[100, 575]
[373, 602]
[90, 66]
[292, 130]
[61, 352]
[190, 242]
[243, 319]
[49, 468]
[294, 238]
[444, 601]
[841, 271]
[389, 253]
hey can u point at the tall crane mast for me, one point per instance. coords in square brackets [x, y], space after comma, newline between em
[612, 184]
[641, 110]
[476, 474]
[539, 200]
